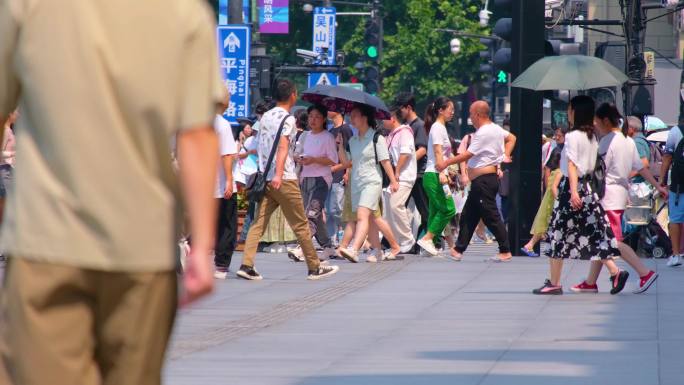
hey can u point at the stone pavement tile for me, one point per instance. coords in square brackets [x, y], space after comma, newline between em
[671, 359]
[581, 363]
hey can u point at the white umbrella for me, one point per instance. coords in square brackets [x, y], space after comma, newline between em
[658, 136]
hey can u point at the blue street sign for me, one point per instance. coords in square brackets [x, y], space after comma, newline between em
[233, 44]
[324, 37]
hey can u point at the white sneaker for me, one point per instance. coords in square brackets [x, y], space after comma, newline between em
[406, 249]
[296, 254]
[372, 257]
[350, 255]
[428, 246]
[221, 273]
[674, 261]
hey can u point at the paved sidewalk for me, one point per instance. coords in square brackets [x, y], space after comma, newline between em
[429, 321]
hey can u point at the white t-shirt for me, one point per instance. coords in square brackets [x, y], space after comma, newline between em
[227, 146]
[438, 135]
[400, 141]
[581, 151]
[621, 158]
[268, 128]
[487, 146]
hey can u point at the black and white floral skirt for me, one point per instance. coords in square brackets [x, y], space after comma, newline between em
[579, 234]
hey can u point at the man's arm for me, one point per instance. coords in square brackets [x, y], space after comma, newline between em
[509, 144]
[421, 152]
[664, 168]
[403, 160]
[198, 156]
[227, 161]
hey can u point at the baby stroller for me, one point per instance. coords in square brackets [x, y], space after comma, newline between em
[643, 232]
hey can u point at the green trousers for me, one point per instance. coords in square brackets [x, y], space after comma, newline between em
[440, 207]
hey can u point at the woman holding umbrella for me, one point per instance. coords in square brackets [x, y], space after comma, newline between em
[366, 185]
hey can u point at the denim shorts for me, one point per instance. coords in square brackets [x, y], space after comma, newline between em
[675, 208]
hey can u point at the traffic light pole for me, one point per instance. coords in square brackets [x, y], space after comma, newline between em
[526, 122]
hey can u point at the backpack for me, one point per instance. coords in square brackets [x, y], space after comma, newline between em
[597, 178]
[655, 158]
[677, 173]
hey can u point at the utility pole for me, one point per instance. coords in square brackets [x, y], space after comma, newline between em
[235, 12]
[526, 121]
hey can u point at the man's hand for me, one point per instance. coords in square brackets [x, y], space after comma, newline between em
[664, 192]
[198, 279]
[440, 166]
[465, 181]
[507, 159]
[394, 186]
[307, 160]
[443, 179]
[345, 178]
[228, 193]
[276, 182]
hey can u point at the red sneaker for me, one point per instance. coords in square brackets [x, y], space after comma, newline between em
[584, 287]
[645, 282]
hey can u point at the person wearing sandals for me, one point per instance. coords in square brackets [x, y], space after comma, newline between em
[491, 145]
[367, 157]
[622, 161]
[441, 206]
[541, 220]
[579, 228]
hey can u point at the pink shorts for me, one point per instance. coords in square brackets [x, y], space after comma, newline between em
[615, 219]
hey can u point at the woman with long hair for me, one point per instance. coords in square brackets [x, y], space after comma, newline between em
[367, 156]
[578, 227]
[622, 161]
[317, 153]
[436, 184]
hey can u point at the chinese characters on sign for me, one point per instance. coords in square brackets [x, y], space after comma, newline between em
[324, 44]
[273, 16]
[233, 41]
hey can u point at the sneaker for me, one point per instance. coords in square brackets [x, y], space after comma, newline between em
[619, 281]
[221, 272]
[371, 258]
[428, 246]
[674, 261]
[584, 287]
[645, 282]
[322, 272]
[455, 256]
[388, 256]
[248, 272]
[548, 289]
[350, 255]
[407, 249]
[296, 254]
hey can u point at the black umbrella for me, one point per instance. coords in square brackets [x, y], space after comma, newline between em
[342, 99]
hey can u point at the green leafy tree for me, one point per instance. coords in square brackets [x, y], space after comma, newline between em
[417, 57]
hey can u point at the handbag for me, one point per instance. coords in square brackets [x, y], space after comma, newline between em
[257, 189]
[385, 178]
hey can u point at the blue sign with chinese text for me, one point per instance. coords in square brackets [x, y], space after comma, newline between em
[324, 44]
[233, 44]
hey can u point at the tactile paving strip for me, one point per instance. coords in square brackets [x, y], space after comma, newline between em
[283, 312]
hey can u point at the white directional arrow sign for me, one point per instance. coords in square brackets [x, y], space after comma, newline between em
[231, 42]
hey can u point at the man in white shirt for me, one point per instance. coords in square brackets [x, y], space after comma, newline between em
[491, 145]
[403, 158]
[283, 190]
[226, 229]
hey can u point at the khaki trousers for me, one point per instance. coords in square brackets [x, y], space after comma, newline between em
[65, 325]
[289, 199]
[397, 215]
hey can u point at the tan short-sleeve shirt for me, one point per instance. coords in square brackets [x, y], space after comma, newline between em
[102, 86]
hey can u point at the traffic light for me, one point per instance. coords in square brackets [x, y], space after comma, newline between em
[486, 56]
[372, 38]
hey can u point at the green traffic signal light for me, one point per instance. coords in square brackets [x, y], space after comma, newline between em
[502, 77]
[372, 52]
